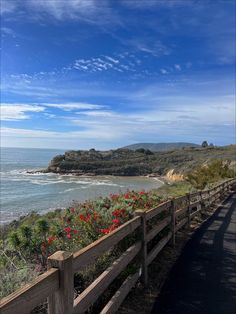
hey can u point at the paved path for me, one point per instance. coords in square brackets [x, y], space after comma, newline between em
[203, 280]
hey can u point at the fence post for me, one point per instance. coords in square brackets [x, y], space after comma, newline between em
[144, 277]
[61, 302]
[228, 187]
[224, 189]
[173, 218]
[189, 209]
[199, 206]
[209, 198]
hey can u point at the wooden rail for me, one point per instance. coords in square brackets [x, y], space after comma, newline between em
[157, 227]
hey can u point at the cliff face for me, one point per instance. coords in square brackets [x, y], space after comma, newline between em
[125, 162]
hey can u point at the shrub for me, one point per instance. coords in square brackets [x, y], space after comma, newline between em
[201, 176]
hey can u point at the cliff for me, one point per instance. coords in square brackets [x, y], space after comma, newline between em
[125, 162]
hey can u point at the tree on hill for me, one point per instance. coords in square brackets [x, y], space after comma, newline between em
[204, 144]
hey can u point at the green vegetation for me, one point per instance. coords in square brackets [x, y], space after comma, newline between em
[142, 161]
[175, 189]
[204, 175]
[27, 243]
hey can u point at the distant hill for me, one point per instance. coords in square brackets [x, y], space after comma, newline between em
[161, 147]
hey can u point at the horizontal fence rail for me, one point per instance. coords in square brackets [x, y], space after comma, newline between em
[155, 228]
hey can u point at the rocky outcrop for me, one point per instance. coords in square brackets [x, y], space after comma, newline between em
[173, 176]
[125, 162]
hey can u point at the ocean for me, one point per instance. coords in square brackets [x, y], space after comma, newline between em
[23, 192]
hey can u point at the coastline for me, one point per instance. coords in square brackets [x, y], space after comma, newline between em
[44, 211]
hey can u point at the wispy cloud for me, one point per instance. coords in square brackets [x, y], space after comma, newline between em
[155, 48]
[88, 11]
[7, 31]
[14, 112]
[178, 67]
[73, 106]
[104, 63]
[164, 71]
[8, 6]
[184, 121]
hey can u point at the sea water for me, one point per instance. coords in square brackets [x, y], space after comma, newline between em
[22, 192]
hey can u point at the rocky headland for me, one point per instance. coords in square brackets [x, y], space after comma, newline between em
[141, 162]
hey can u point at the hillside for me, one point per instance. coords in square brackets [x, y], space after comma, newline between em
[125, 162]
[158, 147]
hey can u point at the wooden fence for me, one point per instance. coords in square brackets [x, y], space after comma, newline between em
[157, 226]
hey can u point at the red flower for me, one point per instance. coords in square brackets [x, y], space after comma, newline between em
[142, 193]
[67, 229]
[116, 221]
[72, 210]
[68, 235]
[105, 231]
[75, 231]
[51, 239]
[84, 217]
[127, 196]
[119, 213]
[114, 196]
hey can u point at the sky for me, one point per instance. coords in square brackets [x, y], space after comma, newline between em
[81, 74]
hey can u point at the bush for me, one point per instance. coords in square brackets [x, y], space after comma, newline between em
[204, 175]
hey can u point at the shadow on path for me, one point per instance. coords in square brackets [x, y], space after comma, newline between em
[203, 280]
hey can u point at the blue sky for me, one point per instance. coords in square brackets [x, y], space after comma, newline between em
[78, 74]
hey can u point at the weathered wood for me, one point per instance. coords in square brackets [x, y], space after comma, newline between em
[157, 249]
[87, 255]
[189, 210]
[195, 213]
[143, 230]
[215, 196]
[99, 285]
[195, 204]
[61, 302]
[180, 199]
[199, 206]
[158, 228]
[157, 210]
[181, 212]
[194, 194]
[181, 224]
[25, 299]
[113, 305]
[173, 221]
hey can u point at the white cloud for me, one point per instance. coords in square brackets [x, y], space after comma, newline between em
[8, 6]
[103, 63]
[15, 112]
[7, 31]
[18, 111]
[181, 118]
[98, 113]
[164, 71]
[112, 59]
[178, 67]
[88, 11]
[73, 106]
